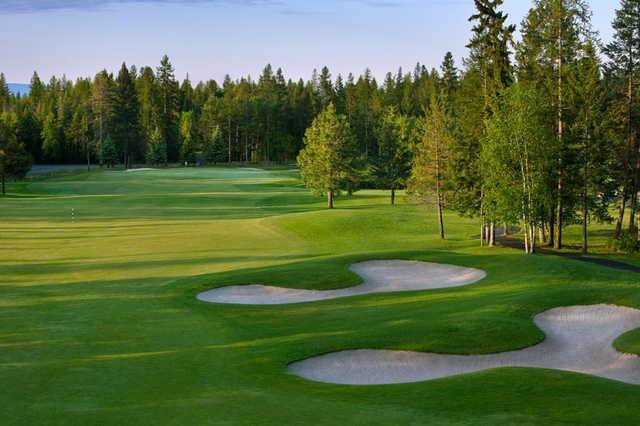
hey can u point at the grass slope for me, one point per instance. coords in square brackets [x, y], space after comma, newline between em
[99, 323]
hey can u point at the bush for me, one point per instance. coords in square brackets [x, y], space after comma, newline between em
[628, 241]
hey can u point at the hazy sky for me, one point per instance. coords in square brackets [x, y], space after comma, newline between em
[210, 38]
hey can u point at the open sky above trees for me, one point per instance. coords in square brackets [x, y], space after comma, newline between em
[211, 38]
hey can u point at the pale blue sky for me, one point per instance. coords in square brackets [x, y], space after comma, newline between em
[210, 38]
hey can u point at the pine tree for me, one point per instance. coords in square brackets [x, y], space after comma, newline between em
[325, 88]
[464, 161]
[490, 48]
[429, 171]
[389, 91]
[393, 162]
[168, 108]
[109, 152]
[80, 133]
[339, 100]
[624, 64]
[449, 83]
[147, 90]
[126, 129]
[5, 96]
[596, 159]
[29, 128]
[228, 113]
[326, 161]
[186, 95]
[367, 106]
[15, 161]
[490, 58]
[102, 106]
[37, 90]
[51, 146]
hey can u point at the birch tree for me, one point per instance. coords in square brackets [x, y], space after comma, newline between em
[518, 157]
[555, 34]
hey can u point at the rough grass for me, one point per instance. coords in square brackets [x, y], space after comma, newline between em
[99, 323]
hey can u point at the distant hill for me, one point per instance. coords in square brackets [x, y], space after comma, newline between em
[19, 89]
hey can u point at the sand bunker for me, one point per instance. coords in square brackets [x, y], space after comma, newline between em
[379, 277]
[142, 169]
[578, 339]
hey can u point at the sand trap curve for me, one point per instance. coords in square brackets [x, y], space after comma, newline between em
[379, 276]
[578, 339]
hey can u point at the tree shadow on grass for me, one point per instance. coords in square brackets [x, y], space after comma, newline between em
[51, 268]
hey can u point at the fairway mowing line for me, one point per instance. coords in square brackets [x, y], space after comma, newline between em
[578, 339]
[379, 276]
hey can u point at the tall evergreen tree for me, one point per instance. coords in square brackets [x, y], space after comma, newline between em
[393, 162]
[5, 97]
[15, 161]
[449, 82]
[51, 144]
[489, 61]
[37, 90]
[102, 106]
[464, 160]
[624, 63]
[126, 129]
[168, 111]
[147, 90]
[596, 158]
[489, 47]
[29, 128]
[186, 95]
[108, 152]
[325, 88]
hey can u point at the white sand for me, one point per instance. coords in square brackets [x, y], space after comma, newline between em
[143, 169]
[578, 339]
[380, 276]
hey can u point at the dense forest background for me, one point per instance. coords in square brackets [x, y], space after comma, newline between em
[249, 120]
[540, 132]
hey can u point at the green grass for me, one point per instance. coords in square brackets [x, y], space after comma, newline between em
[600, 241]
[99, 323]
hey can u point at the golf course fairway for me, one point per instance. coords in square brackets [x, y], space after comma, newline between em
[100, 323]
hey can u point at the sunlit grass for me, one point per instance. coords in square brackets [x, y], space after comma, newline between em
[99, 323]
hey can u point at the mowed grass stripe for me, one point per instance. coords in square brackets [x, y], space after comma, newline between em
[99, 323]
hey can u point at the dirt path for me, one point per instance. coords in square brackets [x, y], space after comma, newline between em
[519, 244]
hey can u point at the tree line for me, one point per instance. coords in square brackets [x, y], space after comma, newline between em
[146, 115]
[539, 132]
